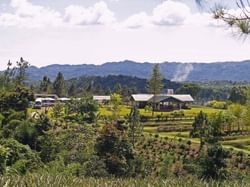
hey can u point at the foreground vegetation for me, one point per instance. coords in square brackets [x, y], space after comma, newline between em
[35, 180]
[81, 142]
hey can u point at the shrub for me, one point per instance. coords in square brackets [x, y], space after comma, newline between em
[74, 169]
[26, 134]
[20, 157]
[113, 147]
[213, 162]
[217, 104]
[95, 167]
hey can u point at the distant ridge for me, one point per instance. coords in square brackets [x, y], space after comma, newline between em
[232, 71]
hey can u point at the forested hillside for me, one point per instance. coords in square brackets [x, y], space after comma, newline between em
[235, 71]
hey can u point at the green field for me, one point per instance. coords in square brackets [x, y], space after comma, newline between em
[240, 143]
[125, 110]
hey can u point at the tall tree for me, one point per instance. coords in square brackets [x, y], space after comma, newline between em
[118, 88]
[200, 126]
[21, 71]
[17, 99]
[72, 89]
[88, 109]
[45, 85]
[135, 127]
[155, 84]
[115, 102]
[237, 111]
[246, 115]
[189, 88]
[8, 76]
[238, 95]
[59, 85]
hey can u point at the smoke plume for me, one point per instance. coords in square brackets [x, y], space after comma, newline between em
[182, 72]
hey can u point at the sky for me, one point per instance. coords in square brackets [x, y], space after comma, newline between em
[47, 32]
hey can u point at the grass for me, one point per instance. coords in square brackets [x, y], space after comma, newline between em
[177, 135]
[125, 110]
[106, 111]
[69, 181]
[242, 143]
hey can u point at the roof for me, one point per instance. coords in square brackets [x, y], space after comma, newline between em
[46, 96]
[142, 97]
[101, 97]
[165, 97]
[183, 98]
[40, 99]
[64, 99]
[161, 97]
[48, 99]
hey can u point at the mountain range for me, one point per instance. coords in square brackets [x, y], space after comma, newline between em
[231, 71]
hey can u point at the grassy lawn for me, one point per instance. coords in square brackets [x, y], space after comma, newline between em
[106, 111]
[240, 144]
[196, 109]
[177, 135]
[125, 110]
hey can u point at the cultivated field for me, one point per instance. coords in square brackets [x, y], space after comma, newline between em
[178, 124]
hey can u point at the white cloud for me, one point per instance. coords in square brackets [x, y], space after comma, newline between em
[98, 14]
[29, 15]
[136, 21]
[165, 14]
[170, 13]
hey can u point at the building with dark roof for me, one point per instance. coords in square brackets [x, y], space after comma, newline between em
[163, 102]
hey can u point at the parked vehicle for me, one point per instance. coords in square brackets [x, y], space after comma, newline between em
[44, 102]
[38, 103]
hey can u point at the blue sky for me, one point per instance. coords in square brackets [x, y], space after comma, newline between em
[94, 32]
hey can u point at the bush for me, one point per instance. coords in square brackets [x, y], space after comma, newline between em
[74, 169]
[213, 163]
[19, 167]
[20, 157]
[1, 119]
[177, 114]
[3, 158]
[26, 134]
[113, 147]
[95, 167]
[217, 104]
[13, 124]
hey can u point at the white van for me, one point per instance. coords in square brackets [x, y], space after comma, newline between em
[48, 102]
[38, 103]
